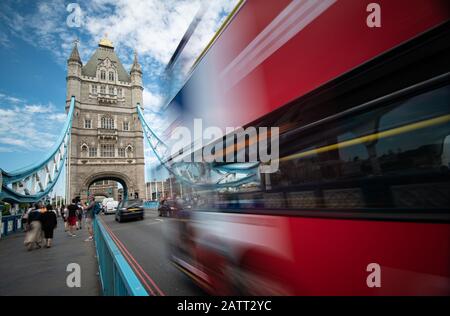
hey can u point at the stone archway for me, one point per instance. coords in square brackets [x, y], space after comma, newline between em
[128, 185]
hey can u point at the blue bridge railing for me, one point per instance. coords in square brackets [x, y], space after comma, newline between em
[151, 204]
[10, 224]
[116, 275]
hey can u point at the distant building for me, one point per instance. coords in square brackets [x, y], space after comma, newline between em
[105, 188]
[169, 187]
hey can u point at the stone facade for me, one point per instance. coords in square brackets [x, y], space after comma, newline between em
[106, 137]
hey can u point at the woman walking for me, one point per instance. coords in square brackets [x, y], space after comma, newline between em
[25, 218]
[49, 221]
[79, 217]
[33, 236]
[72, 217]
[65, 215]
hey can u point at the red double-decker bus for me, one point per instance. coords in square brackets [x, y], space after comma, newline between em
[360, 204]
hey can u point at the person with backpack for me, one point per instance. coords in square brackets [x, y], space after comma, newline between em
[92, 209]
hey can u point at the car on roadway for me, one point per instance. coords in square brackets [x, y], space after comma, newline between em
[169, 208]
[104, 202]
[130, 209]
[111, 207]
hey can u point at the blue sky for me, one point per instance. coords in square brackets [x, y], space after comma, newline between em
[36, 40]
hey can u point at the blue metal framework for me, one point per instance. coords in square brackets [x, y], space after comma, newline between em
[199, 174]
[35, 182]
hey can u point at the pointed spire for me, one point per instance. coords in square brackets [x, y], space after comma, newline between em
[136, 66]
[75, 55]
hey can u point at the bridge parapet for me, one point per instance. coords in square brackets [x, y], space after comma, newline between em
[116, 275]
[10, 224]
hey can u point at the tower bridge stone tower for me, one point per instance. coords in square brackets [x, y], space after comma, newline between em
[106, 137]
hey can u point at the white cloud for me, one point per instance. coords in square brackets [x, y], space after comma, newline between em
[28, 127]
[152, 100]
[38, 108]
[4, 40]
[12, 141]
[43, 26]
[59, 117]
[10, 99]
[155, 27]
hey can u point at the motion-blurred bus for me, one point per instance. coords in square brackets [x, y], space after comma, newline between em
[360, 202]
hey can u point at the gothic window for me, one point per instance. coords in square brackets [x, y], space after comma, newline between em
[122, 152]
[107, 122]
[119, 92]
[102, 89]
[92, 151]
[107, 150]
[102, 75]
[126, 126]
[87, 123]
[111, 76]
[111, 90]
[94, 89]
[84, 150]
[129, 151]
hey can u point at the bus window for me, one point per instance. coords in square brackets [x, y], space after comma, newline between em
[395, 156]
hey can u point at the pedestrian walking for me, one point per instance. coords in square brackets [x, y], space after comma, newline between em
[64, 215]
[25, 218]
[33, 237]
[79, 217]
[72, 217]
[91, 210]
[49, 222]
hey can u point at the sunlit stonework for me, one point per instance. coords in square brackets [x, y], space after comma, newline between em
[107, 139]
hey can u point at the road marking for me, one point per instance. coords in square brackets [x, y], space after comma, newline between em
[151, 223]
[147, 286]
[136, 265]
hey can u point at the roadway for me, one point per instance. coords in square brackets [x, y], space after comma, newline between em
[144, 247]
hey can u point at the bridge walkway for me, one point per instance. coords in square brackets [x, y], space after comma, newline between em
[43, 271]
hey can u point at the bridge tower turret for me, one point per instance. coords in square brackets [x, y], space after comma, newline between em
[74, 65]
[136, 82]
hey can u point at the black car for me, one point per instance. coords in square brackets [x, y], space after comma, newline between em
[169, 208]
[130, 209]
